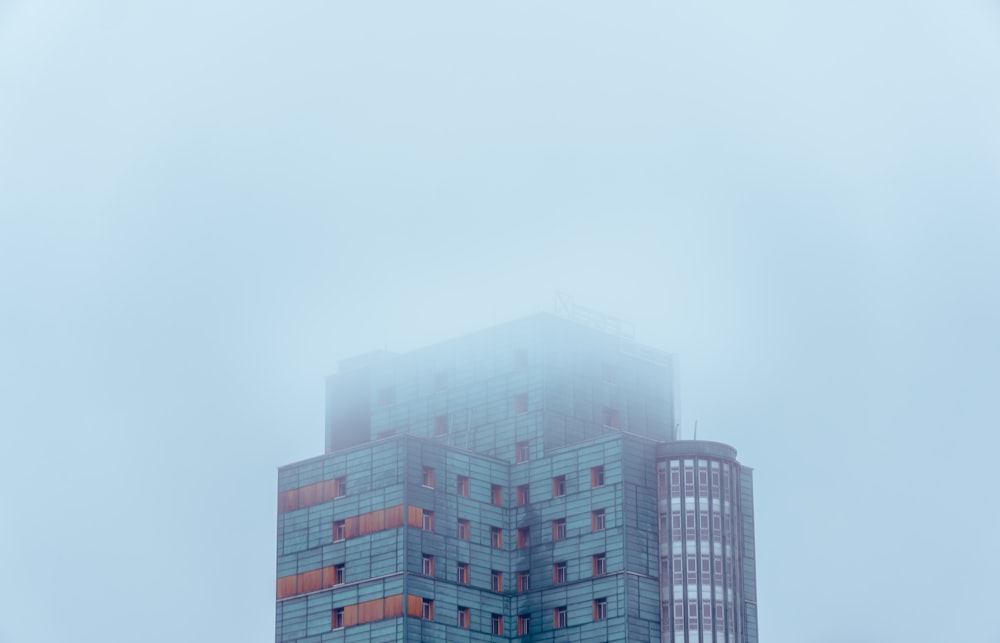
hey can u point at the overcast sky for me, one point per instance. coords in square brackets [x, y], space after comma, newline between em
[205, 205]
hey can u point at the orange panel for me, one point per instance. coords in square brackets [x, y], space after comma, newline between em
[311, 495]
[329, 490]
[351, 527]
[311, 581]
[370, 611]
[416, 517]
[394, 517]
[329, 577]
[394, 606]
[288, 500]
[414, 606]
[287, 586]
[350, 615]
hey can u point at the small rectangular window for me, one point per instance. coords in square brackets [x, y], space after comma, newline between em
[558, 486]
[428, 609]
[521, 452]
[520, 403]
[340, 487]
[463, 529]
[427, 477]
[597, 520]
[559, 573]
[496, 537]
[523, 497]
[496, 495]
[559, 617]
[523, 581]
[523, 624]
[497, 624]
[427, 565]
[559, 529]
[441, 425]
[600, 565]
[611, 418]
[463, 573]
[462, 486]
[496, 580]
[427, 521]
[339, 530]
[597, 477]
[463, 617]
[600, 609]
[338, 618]
[523, 537]
[338, 575]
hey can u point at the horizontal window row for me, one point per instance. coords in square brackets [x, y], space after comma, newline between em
[599, 567]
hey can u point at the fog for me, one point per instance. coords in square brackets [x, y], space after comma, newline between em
[204, 206]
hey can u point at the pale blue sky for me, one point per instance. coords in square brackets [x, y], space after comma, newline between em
[205, 205]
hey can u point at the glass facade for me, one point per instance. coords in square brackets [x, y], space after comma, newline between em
[508, 477]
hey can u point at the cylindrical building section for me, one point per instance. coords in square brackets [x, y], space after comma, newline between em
[706, 544]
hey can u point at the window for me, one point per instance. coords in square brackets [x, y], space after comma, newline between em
[496, 495]
[496, 623]
[462, 486]
[496, 580]
[338, 618]
[521, 452]
[523, 624]
[427, 477]
[597, 477]
[600, 609]
[463, 529]
[338, 530]
[440, 381]
[559, 617]
[600, 564]
[558, 486]
[441, 425]
[559, 529]
[463, 617]
[386, 396]
[496, 537]
[523, 537]
[340, 487]
[523, 581]
[428, 565]
[597, 520]
[427, 521]
[559, 573]
[523, 497]
[520, 403]
[428, 609]
[611, 418]
[463, 573]
[338, 575]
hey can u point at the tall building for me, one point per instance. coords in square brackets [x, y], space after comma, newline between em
[520, 483]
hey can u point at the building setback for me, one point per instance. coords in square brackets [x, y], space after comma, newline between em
[521, 483]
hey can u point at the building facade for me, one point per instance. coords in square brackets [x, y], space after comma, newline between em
[520, 483]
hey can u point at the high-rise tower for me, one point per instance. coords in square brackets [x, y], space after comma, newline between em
[520, 483]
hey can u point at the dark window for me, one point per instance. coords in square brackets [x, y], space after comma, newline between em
[523, 624]
[338, 618]
[496, 537]
[558, 486]
[559, 529]
[340, 487]
[427, 565]
[463, 529]
[523, 581]
[462, 486]
[597, 477]
[521, 452]
[427, 521]
[559, 617]
[427, 477]
[428, 609]
[559, 573]
[496, 580]
[463, 573]
[600, 564]
[597, 520]
[463, 617]
[523, 537]
[497, 624]
[496, 495]
[338, 575]
[522, 495]
[338, 530]
[600, 609]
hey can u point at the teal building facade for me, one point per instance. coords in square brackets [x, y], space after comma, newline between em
[515, 484]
